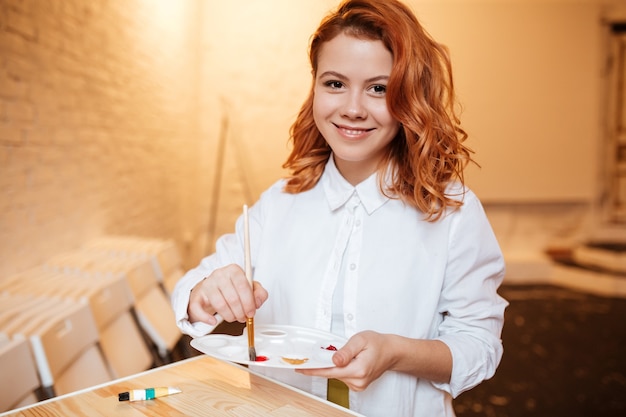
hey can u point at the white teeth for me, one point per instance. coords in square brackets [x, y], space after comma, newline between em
[353, 131]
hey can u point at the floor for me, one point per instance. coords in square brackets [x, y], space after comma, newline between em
[564, 355]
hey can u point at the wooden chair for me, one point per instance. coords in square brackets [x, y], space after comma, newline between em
[11, 307]
[64, 342]
[163, 254]
[66, 350]
[151, 304]
[122, 341]
[153, 308]
[18, 379]
[139, 261]
[170, 265]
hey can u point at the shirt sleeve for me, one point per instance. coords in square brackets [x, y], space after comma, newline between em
[472, 309]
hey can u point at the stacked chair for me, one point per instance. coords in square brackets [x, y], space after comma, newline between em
[63, 341]
[135, 261]
[111, 303]
[162, 254]
[20, 380]
[87, 316]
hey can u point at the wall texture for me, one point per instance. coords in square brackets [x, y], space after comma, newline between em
[255, 76]
[98, 122]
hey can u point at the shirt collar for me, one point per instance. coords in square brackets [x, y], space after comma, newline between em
[338, 190]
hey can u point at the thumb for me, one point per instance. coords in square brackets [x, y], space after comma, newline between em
[345, 355]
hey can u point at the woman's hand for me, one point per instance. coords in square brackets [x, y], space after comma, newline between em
[225, 292]
[368, 354]
[362, 360]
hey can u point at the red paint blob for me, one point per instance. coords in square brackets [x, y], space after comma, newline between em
[330, 347]
[261, 358]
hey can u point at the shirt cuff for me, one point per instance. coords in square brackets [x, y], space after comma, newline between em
[197, 329]
[472, 363]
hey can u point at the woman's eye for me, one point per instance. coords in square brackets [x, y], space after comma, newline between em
[334, 84]
[379, 89]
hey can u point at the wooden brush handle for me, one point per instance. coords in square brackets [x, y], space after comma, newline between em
[250, 329]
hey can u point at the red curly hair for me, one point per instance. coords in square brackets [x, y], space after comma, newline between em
[428, 151]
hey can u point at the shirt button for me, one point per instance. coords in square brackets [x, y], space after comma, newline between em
[358, 223]
[350, 317]
[352, 267]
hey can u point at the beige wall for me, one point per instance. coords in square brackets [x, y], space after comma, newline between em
[98, 123]
[529, 78]
[112, 112]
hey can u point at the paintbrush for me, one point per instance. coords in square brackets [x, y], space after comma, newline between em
[248, 269]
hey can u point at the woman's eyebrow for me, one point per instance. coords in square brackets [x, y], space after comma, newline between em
[377, 78]
[343, 77]
[332, 74]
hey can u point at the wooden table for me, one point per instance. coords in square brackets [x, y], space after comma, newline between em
[210, 387]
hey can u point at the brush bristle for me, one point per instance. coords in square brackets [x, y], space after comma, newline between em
[252, 353]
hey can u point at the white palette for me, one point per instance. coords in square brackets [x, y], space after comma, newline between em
[274, 342]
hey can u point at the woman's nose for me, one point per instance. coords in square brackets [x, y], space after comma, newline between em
[354, 107]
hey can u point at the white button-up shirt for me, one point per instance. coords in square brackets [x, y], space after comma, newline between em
[393, 272]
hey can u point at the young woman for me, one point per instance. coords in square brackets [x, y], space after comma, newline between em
[373, 236]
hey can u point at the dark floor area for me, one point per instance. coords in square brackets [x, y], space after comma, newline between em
[564, 355]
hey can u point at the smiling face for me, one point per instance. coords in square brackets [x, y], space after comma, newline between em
[349, 105]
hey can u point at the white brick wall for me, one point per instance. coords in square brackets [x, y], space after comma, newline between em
[98, 123]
